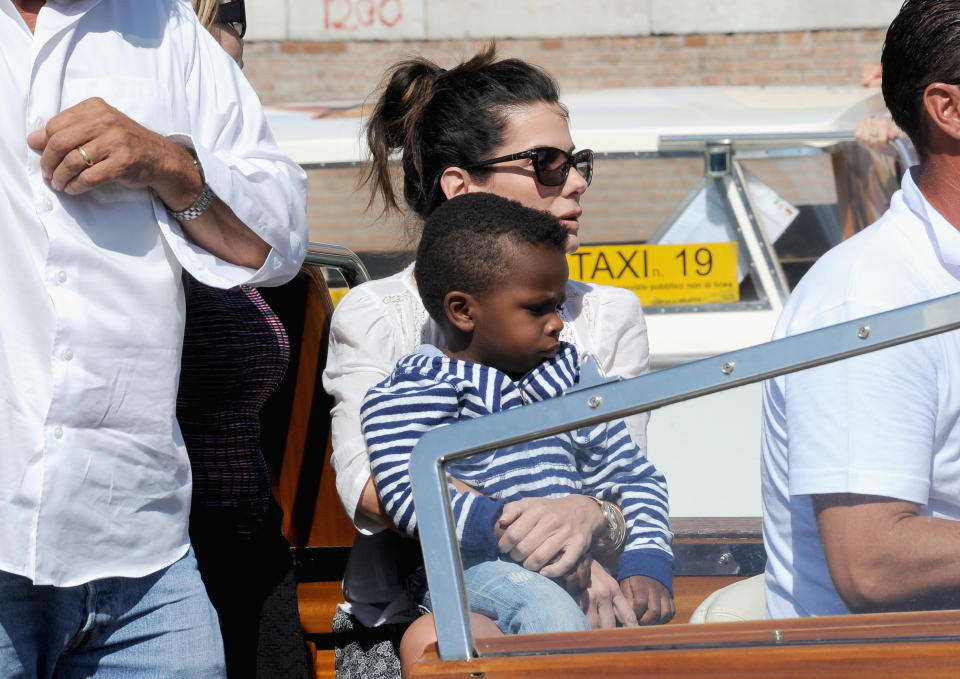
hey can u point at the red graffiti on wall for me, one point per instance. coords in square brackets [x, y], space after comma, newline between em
[352, 15]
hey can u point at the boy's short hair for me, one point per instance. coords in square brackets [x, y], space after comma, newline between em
[463, 245]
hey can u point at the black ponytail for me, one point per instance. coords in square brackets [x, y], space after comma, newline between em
[440, 118]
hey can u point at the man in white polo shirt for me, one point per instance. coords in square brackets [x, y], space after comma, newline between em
[861, 458]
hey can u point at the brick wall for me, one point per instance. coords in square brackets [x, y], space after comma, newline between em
[299, 71]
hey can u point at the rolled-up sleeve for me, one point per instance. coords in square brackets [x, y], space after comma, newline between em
[243, 166]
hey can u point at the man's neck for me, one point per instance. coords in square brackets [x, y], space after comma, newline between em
[29, 9]
[939, 181]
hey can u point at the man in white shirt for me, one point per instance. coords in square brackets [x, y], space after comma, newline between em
[861, 458]
[130, 146]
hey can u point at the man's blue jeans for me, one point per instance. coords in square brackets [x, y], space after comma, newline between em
[519, 601]
[158, 626]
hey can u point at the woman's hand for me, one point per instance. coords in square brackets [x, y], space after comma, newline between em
[649, 599]
[603, 601]
[876, 131]
[549, 535]
[578, 579]
[871, 75]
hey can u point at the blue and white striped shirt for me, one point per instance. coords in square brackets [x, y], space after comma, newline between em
[428, 390]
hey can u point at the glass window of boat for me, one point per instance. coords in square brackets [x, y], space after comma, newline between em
[808, 199]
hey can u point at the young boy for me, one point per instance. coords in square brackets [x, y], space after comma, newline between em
[493, 275]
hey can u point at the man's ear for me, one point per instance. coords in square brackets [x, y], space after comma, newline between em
[942, 104]
[456, 181]
[459, 308]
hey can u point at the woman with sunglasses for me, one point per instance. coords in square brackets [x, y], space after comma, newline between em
[496, 126]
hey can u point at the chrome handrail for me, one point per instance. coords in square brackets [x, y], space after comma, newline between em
[607, 401]
[694, 142]
[340, 258]
[697, 141]
[908, 155]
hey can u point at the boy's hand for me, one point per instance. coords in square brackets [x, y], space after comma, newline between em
[549, 535]
[603, 601]
[649, 599]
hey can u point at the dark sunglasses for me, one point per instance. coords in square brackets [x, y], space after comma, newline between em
[235, 14]
[549, 164]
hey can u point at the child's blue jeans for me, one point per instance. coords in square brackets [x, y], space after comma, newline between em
[518, 600]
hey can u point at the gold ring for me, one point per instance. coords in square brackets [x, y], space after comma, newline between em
[88, 161]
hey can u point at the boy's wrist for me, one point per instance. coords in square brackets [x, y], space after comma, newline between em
[479, 535]
[652, 563]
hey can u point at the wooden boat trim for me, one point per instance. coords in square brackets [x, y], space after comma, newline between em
[931, 660]
[848, 629]
[878, 645]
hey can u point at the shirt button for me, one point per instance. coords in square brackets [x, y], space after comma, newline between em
[58, 432]
[67, 355]
[61, 276]
[38, 123]
[46, 203]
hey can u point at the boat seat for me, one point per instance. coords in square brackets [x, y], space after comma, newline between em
[296, 445]
[743, 600]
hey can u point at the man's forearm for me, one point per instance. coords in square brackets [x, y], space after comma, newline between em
[217, 230]
[883, 555]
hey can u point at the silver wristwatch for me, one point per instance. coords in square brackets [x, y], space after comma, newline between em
[616, 534]
[203, 201]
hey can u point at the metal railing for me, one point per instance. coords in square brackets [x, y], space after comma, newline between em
[337, 257]
[677, 142]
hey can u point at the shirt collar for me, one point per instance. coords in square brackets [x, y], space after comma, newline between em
[548, 380]
[55, 16]
[946, 235]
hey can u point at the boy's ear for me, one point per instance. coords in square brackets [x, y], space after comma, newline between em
[459, 307]
[455, 181]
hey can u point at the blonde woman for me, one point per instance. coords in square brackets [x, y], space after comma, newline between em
[235, 353]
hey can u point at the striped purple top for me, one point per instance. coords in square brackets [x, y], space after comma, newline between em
[235, 352]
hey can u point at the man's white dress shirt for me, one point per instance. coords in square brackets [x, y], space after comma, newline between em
[94, 480]
[886, 423]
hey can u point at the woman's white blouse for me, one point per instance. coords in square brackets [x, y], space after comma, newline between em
[381, 321]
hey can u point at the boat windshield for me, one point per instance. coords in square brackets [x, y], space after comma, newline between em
[589, 414]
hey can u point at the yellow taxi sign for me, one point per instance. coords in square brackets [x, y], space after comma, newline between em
[336, 294]
[663, 275]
